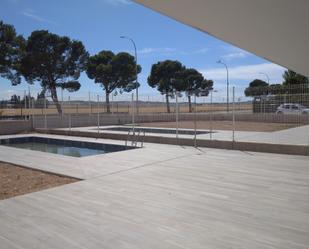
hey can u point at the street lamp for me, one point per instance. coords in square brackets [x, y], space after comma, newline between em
[227, 84]
[135, 53]
[266, 77]
[262, 98]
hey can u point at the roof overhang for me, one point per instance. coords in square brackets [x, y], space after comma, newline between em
[277, 30]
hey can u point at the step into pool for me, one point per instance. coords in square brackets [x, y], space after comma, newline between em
[62, 146]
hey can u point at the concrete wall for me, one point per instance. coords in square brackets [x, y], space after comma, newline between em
[8, 127]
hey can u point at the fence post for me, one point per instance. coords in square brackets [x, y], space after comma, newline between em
[89, 102]
[133, 118]
[45, 118]
[25, 99]
[177, 116]
[29, 102]
[210, 116]
[98, 113]
[70, 124]
[32, 113]
[233, 113]
[62, 103]
[112, 103]
[195, 120]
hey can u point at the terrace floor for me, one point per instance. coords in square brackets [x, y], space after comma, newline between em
[162, 196]
[290, 136]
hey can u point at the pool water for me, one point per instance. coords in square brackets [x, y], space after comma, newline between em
[58, 149]
[65, 147]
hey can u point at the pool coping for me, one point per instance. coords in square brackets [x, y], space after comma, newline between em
[264, 147]
[108, 148]
[86, 167]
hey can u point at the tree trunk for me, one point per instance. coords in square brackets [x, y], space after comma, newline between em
[167, 103]
[190, 105]
[107, 102]
[54, 97]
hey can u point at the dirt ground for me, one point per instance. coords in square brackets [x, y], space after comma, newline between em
[15, 180]
[223, 125]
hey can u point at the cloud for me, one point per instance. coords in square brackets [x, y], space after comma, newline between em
[246, 72]
[13, 1]
[234, 53]
[32, 15]
[237, 55]
[200, 51]
[118, 2]
[6, 94]
[156, 50]
[167, 51]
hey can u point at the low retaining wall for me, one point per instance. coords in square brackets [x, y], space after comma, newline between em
[8, 127]
[244, 146]
[83, 120]
[79, 120]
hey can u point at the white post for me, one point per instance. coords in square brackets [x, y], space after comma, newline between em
[210, 134]
[29, 102]
[25, 95]
[89, 103]
[112, 105]
[70, 124]
[98, 100]
[33, 110]
[195, 120]
[133, 110]
[177, 125]
[62, 102]
[233, 114]
[45, 118]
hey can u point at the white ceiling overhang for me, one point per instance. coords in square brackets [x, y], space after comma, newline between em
[277, 30]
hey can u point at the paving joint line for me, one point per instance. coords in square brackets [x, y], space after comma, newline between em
[137, 167]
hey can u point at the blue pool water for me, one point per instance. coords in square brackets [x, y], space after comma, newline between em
[62, 147]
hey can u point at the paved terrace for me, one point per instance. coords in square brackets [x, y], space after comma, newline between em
[292, 136]
[162, 196]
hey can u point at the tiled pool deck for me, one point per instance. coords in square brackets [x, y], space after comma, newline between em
[161, 196]
[292, 136]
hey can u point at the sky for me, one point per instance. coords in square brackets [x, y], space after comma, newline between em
[100, 23]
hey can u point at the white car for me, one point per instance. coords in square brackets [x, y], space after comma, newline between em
[292, 109]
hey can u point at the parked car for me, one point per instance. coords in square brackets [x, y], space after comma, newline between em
[292, 109]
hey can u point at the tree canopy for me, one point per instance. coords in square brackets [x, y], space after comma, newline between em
[256, 87]
[166, 77]
[54, 61]
[113, 71]
[11, 46]
[292, 78]
[194, 84]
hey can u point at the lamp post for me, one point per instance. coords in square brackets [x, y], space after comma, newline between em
[262, 98]
[266, 75]
[227, 84]
[135, 55]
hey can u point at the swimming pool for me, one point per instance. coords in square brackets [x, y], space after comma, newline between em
[156, 130]
[62, 147]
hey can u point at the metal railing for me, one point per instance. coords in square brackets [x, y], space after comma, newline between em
[264, 112]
